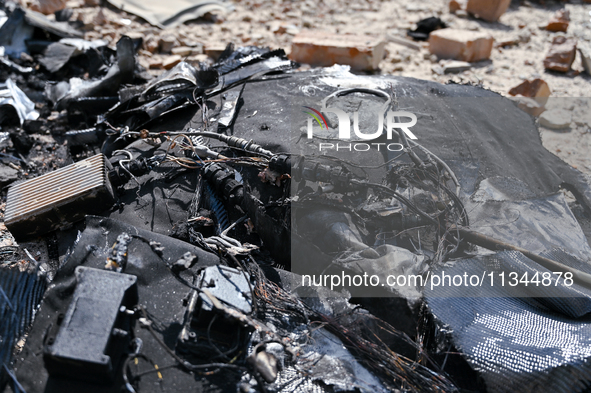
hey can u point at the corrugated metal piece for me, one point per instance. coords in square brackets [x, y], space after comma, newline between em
[59, 198]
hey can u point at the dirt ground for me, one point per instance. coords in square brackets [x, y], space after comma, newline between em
[274, 23]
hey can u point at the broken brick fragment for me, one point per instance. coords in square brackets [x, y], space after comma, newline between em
[559, 21]
[561, 55]
[456, 5]
[536, 88]
[171, 61]
[324, 49]
[166, 43]
[461, 45]
[48, 7]
[489, 10]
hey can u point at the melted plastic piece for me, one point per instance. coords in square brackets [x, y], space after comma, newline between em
[95, 330]
[11, 95]
[202, 324]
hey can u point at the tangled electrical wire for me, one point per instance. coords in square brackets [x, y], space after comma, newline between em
[414, 174]
[396, 371]
[422, 175]
[420, 182]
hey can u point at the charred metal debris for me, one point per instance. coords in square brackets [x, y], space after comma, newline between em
[175, 220]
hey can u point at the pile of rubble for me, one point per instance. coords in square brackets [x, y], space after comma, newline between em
[181, 215]
[515, 42]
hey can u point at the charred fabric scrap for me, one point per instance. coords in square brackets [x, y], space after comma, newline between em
[216, 223]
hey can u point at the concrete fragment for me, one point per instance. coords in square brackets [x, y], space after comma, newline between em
[436, 68]
[556, 119]
[460, 44]
[171, 61]
[319, 48]
[529, 105]
[214, 51]
[166, 43]
[585, 58]
[559, 21]
[199, 58]
[197, 50]
[451, 67]
[151, 44]
[182, 51]
[455, 67]
[489, 10]
[7, 175]
[536, 88]
[404, 42]
[561, 55]
[92, 19]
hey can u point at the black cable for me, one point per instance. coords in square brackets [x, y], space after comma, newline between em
[242, 267]
[126, 381]
[211, 343]
[183, 363]
[459, 205]
[398, 196]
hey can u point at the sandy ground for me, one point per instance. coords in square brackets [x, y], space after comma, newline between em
[274, 23]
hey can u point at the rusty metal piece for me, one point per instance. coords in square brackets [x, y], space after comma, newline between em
[59, 198]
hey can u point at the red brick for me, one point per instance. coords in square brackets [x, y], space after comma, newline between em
[48, 7]
[456, 5]
[171, 61]
[559, 21]
[561, 55]
[323, 49]
[461, 45]
[489, 10]
[537, 88]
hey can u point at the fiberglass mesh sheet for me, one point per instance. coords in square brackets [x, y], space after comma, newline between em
[518, 343]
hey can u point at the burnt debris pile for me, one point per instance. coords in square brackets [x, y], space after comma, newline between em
[242, 226]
